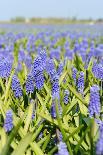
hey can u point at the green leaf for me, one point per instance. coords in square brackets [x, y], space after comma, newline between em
[46, 142]
[81, 140]
[77, 94]
[83, 109]
[7, 91]
[23, 145]
[14, 132]
[29, 117]
[36, 149]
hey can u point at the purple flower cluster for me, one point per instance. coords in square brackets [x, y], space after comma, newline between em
[74, 74]
[98, 71]
[37, 72]
[55, 87]
[8, 122]
[16, 87]
[53, 111]
[38, 68]
[39, 80]
[29, 84]
[80, 83]
[55, 53]
[50, 68]
[66, 97]
[43, 56]
[94, 103]
[99, 145]
[60, 69]
[5, 68]
[62, 149]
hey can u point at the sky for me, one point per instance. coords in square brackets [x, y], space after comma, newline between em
[82, 9]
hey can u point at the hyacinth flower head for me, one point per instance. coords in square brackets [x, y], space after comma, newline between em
[28, 61]
[55, 53]
[60, 69]
[37, 72]
[56, 91]
[5, 68]
[37, 65]
[74, 74]
[80, 83]
[94, 103]
[98, 71]
[53, 111]
[99, 144]
[50, 68]
[16, 87]
[30, 84]
[66, 97]
[55, 87]
[8, 122]
[62, 149]
[43, 56]
[39, 80]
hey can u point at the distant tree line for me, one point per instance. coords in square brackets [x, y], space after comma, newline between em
[54, 20]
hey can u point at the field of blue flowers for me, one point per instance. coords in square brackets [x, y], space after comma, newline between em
[51, 92]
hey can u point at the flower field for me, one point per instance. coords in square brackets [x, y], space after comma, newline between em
[51, 91]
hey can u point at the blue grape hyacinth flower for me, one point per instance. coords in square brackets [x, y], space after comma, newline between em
[16, 87]
[39, 80]
[74, 74]
[66, 97]
[8, 122]
[94, 103]
[98, 71]
[60, 69]
[53, 111]
[50, 68]
[30, 84]
[99, 145]
[62, 149]
[80, 83]
[55, 87]
[37, 72]
[5, 68]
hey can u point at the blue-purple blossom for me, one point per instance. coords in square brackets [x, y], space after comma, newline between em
[62, 149]
[55, 87]
[53, 111]
[40, 135]
[66, 97]
[80, 83]
[74, 74]
[43, 56]
[37, 65]
[28, 61]
[55, 53]
[94, 103]
[98, 71]
[99, 145]
[30, 84]
[69, 54]
[5, 68]
[8, 122]
[50, 68]
[37, 72]
[39, 80]
[60, 69]
[16, 87]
